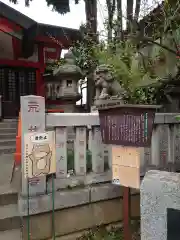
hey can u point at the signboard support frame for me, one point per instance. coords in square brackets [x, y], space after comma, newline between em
[127, 213]
[109, 129]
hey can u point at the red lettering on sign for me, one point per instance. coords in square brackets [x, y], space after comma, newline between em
[33, 107]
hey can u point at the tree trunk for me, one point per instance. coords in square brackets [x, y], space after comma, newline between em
[129, 15]
[137, 10]
[91, 21]
[91, 17]
[119, 30]
[111, 6]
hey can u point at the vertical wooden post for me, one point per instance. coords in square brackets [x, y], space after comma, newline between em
[127, 213]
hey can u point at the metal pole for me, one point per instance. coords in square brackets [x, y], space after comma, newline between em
[28, 215]
[53, 212]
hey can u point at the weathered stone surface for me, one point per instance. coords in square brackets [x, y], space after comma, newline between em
[79, 218]
[106, 84]
[71, 198]
[40, 227]
[159, 191]
[43, 203]
[33, 120]
[106, 191]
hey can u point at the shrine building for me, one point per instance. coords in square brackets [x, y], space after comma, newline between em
[26, 47]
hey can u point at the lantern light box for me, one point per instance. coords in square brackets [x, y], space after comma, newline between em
[128, 128]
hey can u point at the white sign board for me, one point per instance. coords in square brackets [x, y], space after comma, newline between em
[39, 159]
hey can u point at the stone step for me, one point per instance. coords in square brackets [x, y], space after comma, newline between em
[8, 124]
[9, 217]
[7, 149]
[11, 235]
[8, 142]
[6, 170]
[10, 120]
[8, 195]
[7, 136]
[8, 130]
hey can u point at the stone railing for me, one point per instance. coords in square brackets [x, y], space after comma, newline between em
[82, 159]
[82, 185]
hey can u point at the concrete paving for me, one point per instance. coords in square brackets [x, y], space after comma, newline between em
[11, 235]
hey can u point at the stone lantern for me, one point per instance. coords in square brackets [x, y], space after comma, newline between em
[62, 87]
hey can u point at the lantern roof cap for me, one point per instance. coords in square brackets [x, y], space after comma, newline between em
[69, 68]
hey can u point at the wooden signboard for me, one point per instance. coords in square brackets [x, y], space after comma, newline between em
[39, 154]
[126, 166]
[127, 126]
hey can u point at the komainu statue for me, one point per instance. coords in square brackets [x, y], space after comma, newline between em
[107, 87]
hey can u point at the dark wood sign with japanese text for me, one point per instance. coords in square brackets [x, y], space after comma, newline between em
[127, 126]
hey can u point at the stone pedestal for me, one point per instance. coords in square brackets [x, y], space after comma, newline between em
[103, 103]
[160, 206]
[67, 108]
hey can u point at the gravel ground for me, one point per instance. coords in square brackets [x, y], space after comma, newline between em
[115, 233]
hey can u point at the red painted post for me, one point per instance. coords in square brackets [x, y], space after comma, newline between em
[127, 213]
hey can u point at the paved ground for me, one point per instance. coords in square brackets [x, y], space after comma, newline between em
[6, 168]
[10, 235]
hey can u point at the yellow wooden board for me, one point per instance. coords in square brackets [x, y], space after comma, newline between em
[39, 157]
[126, 166]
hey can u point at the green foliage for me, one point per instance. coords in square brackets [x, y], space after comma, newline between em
[127, 70]
[115, 233]
[61, 7]
[50, 67]
[84, 51]
[102, 234]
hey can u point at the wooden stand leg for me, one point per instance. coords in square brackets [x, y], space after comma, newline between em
[127, 213]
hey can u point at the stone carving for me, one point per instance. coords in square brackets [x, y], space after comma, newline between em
[107, 87]
[69, 69]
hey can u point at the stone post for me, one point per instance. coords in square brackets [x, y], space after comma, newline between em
[160, 206]
[33, 120]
